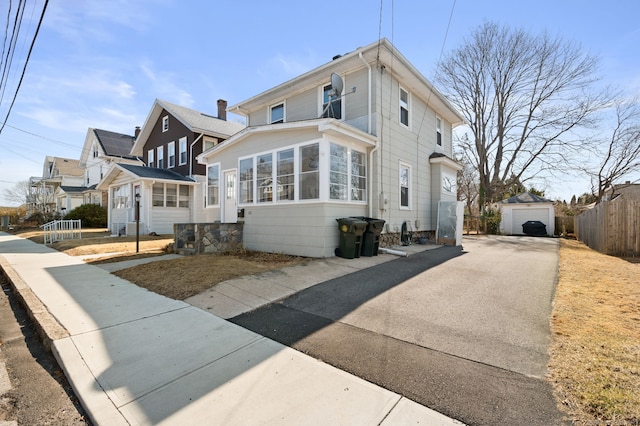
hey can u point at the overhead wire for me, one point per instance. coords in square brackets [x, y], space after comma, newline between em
[24, 68]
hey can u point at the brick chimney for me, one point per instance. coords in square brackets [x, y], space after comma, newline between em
[137, 132]
[222, 109]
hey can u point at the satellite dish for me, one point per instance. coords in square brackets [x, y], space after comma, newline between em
[337, 85]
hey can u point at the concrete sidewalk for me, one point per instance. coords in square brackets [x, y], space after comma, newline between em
[134, 357]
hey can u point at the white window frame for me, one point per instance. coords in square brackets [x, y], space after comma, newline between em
[272, 108]
[151, 158]
[401, 166]
[438, 130]
[95, 151]
[182, 151]
[218, 168]
[252, 182]
[404, 105]
[322, 104]
[165, 123]
[171, 155]
[160, 157]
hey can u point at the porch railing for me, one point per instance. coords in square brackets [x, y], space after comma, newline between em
[59, 230]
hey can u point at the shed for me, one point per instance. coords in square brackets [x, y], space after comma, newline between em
[526, 207]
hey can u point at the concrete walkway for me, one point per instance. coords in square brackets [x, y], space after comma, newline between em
[134, 357]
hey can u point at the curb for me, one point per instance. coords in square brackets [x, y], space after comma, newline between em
[48, 327]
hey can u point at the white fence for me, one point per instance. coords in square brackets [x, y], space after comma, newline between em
[59, 230]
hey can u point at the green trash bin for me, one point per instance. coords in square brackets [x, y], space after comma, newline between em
[351, 230]
[371, 236]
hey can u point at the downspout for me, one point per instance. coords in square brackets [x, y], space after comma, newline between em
[375, 149]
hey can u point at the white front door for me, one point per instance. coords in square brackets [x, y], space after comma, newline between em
[229, 200]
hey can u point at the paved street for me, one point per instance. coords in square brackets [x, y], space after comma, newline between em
[464, 332]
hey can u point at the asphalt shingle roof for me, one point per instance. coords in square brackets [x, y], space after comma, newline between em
[154, 173]
[526, 198]
[114, 144]
[199, 121]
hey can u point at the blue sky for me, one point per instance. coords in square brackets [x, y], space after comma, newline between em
[102, 63]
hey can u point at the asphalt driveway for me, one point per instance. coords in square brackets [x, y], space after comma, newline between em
[462, 331]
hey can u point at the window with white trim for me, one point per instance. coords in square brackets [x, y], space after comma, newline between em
[160, 157]
[331, 105]
[276, 113]
[404, 107]
[213, 185]
[405, 186]
[171, 155]
[347, 174]
[285, 177]
[438, 131]
[169, 195]
[95, 151]
[358, 176]
[121, 196]
[264, 175]
[182, 151]
[246, 180]
[309, 174]
[150, 157]
[165, 123]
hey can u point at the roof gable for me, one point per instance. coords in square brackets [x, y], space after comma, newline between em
[195, 121]
[381, 52]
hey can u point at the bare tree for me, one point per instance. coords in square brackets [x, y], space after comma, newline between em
[620, 154]
[467, 183]
[523, 97]
[18, 194]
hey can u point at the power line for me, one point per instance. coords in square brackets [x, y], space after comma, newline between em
[24, 69]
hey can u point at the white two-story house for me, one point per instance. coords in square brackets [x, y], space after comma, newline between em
[381, 148]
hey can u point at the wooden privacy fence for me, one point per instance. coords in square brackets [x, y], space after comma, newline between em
[611, 227]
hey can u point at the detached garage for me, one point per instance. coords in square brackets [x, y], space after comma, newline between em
[523, 208]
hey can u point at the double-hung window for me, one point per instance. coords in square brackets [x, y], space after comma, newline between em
[404, 107]
[213, 185]
[276, 113]
[347, 174]
[171, 155]
[161, 157]
[438, 131]
[182, 151]
[331, 104]
[246, 180]
[264, 174]
[405, 186]
[309, 175]
[285, 178]
[150, 157]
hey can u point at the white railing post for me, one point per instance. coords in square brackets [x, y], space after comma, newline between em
[59, 230]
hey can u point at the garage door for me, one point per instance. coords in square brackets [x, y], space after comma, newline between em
[520, 216]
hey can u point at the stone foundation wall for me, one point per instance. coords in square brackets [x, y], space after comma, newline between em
[392, 239]
[197, 238]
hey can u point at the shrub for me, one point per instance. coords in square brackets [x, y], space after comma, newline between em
[492, 218]
[91, 215]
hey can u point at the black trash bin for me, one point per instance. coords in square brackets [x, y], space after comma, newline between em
[534, 228]
[351, 230]
[371, 237]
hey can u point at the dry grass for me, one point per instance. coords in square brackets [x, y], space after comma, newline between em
[595, 354]
[185, 277]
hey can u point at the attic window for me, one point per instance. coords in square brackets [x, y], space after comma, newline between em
[277, 113]
[331, 105]
[165, 123]
[95, 151]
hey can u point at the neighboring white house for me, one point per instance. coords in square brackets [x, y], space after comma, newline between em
[526, 207]
[382, 149]
[172, 185]
[101, 149]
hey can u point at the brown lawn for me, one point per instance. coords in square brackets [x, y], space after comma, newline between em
[595, 354]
